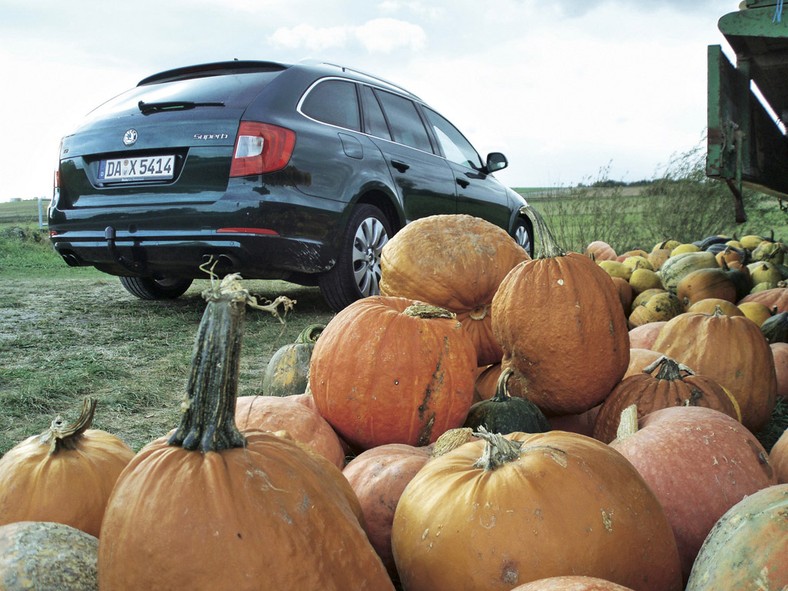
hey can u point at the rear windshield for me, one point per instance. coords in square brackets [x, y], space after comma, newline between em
[233, 90]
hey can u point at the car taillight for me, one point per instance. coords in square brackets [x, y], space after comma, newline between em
[261, 148]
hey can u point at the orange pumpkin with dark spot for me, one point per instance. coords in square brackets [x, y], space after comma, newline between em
[391, 370]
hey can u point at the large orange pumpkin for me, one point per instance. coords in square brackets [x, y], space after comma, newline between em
[699, 462]
[747, 547]
[455, 262]
[562, 329]
[496, 513]
[211, 507]
[391, 370]
[732, 351]
[64, 475]
[288, 413]
[661, 384]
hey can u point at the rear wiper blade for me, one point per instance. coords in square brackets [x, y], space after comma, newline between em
[148, 108]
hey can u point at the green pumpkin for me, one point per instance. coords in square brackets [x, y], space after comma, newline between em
[775, 328]
[679, 266]
[288, 370]
[504, 413]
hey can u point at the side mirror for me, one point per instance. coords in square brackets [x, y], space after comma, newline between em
[496, 161]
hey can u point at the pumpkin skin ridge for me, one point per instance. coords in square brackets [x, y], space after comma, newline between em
[414, 548]
[397, 376]
[221, 519]
[570, 338]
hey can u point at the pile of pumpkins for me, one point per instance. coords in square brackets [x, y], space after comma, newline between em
[490, 421]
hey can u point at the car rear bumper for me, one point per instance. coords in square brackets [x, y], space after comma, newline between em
[181, 254]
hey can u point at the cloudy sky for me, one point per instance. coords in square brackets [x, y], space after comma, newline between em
[567, 89]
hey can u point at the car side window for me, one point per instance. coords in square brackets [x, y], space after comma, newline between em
[455, 147]
[403, 117]
[374, 120]
[334, 102]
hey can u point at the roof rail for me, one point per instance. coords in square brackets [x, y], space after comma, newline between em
[362, 73]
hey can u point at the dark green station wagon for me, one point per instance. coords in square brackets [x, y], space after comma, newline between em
[296, 172]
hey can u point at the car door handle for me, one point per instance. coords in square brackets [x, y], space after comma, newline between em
[463, 183]
[401, 166]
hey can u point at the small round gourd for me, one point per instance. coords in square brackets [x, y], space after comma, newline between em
[504, 413]
[287, 372]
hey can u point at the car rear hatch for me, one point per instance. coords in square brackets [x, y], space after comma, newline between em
[169, 141]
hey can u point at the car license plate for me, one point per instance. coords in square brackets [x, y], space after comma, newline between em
[136, 169]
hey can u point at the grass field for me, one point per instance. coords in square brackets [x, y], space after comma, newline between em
[67, 333]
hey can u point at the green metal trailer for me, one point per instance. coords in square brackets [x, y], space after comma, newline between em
[748, 102]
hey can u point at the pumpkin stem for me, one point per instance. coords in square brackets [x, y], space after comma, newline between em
[421, 310]
[208, 420]
[498, 450]
[628, 424]
[452, 439]
[547, 246]
[310, 334]
[61, 436]
[501, 388]
[669, 369]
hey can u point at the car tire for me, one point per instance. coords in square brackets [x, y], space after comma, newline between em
[356, 273]
[523, 234]
[152, 288]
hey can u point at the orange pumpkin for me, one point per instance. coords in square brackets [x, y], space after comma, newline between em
[455, 262]
[391, 370]
[560, 323]
[599, 250]
[706, 283]
[643, 336]
[64, 475]
[625, 292]
[776, 297]
[662, 384]
[286, 413]
[378, 476]
[730, 350]
[639, 359]
[496, 513]
[211, 507]
[486, 382]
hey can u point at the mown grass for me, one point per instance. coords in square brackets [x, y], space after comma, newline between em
[66, 333]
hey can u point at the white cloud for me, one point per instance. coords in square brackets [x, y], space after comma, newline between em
[384, 35]
[309, 37]
[380, 35]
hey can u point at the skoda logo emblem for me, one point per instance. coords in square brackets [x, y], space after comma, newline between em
[130, 137]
